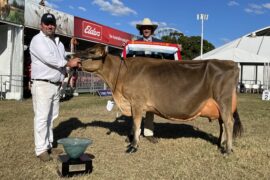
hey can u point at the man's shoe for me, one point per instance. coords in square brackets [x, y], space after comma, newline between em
[55, 151]
[44, 157]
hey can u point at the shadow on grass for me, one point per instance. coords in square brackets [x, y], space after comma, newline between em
[162, 130]
[172, 131]
[123, 126]
[65, 128]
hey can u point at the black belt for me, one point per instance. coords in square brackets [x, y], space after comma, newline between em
[46, 80]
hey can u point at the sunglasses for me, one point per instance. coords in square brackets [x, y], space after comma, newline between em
[147, 27]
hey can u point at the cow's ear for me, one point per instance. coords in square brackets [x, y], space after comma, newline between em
[101, 51]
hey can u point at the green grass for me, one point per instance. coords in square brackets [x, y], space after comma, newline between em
[184, 151]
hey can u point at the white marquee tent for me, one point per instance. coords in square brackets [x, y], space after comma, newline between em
[252, 53]
[11, 60]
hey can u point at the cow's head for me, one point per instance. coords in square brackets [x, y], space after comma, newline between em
[92, 58]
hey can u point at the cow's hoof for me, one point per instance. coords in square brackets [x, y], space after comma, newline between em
[131, 149]
[152, 139]
[226, 152]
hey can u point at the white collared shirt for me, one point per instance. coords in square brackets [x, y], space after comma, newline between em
[149, 39]
[48, 58]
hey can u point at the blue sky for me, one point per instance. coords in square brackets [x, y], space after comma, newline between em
[228, 19]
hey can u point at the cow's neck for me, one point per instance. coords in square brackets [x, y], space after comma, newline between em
[111, 72]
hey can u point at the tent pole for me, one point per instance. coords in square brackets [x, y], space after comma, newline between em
[267, 77]
[241, 74]
[256, 75]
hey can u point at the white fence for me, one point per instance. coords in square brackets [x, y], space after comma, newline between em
[11, 87]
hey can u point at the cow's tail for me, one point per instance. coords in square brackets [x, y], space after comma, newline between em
[237, 126]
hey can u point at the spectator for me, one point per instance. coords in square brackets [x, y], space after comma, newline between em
[147, 29]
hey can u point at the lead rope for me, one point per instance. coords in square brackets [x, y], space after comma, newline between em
[73, 71]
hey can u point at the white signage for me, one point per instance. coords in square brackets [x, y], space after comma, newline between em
[91, 30]
[110, 105]
[266, 95]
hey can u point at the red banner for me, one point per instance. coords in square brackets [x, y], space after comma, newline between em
[90, 30]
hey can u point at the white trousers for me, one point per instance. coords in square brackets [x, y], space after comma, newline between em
[45, 98]
[148, 124]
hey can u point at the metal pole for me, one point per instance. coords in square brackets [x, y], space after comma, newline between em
[202, 40]
[267, 75]
[202, 17]
[1, 81]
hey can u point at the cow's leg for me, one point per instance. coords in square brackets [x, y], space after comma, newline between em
[137, 119]
[222, 135]
[228, 126]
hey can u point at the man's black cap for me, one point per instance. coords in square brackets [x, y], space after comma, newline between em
[48, 18]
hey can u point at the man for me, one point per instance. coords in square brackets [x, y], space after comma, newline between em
[48, 71]
[147, 29]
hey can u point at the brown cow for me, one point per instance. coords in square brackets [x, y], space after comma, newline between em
[171, 89]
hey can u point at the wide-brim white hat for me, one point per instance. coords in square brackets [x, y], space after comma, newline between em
[146, 22]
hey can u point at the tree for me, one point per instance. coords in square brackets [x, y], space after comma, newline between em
[191, 46]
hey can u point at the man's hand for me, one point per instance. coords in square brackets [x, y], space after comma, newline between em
[75, 62]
